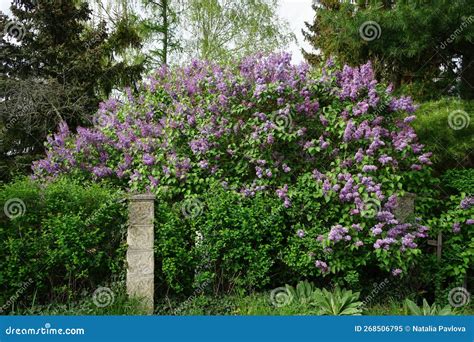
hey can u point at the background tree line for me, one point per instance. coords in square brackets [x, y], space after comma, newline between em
[60, 58]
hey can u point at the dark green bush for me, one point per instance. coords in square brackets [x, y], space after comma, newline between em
[461, 180]
[446, 127]
[457, 258]
[57, 239]
[174, 261]
[240, 244]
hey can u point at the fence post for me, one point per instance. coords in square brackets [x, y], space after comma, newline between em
[140, 257]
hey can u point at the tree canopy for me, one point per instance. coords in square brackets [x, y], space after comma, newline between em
[425, 47]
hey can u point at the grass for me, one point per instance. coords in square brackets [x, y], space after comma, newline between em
[252, 304]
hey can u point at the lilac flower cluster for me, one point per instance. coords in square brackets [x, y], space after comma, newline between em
[258, 126]
[467, 203]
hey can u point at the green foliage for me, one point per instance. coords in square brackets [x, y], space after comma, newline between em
[426, 309]
[223, 241]
[57, 68]
[303, 293]
[174, 259]
[241, 240]
[338, 302]
[458, 242]
[120, 304]
[221, 30]
[58, 239]
[462, 180]
[417, 45]
[446, 127]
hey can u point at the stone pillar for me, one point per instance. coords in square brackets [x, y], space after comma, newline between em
[405, 207]
[140, 257]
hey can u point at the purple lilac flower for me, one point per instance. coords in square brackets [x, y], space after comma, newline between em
[425, 158]
[326, 186]
[456, 227]
[384, 243]
[337, 233]
[369, 168]
[348, 131]
[396, 272]
[199, 146]
[317, 175]
[358, 243]
[300, 233]
[286, 168]
[467, 202]
[407, 241]
[308, 145]
[322, 266]
[359, 155]
[323, 120]
[282, 193]
[154, 182]
[101, 171]
[403, 103]
[377, 229]
[148, 159]
[384, 159]
[203, 164]
[470, 222]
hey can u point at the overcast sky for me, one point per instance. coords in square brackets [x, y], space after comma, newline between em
[296, 12]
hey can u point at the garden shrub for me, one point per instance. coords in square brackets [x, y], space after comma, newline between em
[174, 243]
[239, 240]
[266, 126]
[446, 127]
[222, 241]
[58, 239]
[456, 224]
[460, 180]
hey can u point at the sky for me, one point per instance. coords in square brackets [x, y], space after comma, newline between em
[296, 12]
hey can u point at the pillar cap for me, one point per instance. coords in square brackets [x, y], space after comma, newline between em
[142, 197]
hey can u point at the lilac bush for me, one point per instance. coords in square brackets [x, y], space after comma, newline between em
[263, 125]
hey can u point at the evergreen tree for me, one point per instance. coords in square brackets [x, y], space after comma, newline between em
[56, 65]
[425, 46]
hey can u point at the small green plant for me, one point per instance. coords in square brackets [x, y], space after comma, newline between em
[426, 309]
[303, 293]
[337, 303]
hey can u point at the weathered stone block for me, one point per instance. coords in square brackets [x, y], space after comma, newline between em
[140, 257]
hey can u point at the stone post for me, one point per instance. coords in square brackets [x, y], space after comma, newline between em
[140, 257]
[405, 207]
